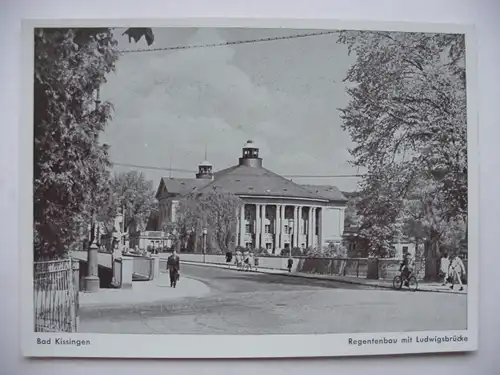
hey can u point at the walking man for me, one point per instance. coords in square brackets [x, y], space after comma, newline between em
[444, 268]
[456, 271]
[173, 266]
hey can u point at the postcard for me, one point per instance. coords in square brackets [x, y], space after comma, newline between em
[244, 188]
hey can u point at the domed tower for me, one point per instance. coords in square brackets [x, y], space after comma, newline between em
[250, 155]
[205, 168]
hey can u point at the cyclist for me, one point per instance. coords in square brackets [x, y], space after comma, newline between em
[406, 268]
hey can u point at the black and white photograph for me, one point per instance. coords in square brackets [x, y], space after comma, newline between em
[211, 190]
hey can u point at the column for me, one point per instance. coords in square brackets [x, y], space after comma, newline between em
[282, 224]
[320, 226]
[92, 279]
[277, 230]
[313, 232]
[263, 226]
[242, 226]
[295, 225]
[309, 228]
[257, 226]
[299, 226]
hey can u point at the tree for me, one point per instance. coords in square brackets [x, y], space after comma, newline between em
[407, 118]
[70, 165]
[215, 211]
[133, 195]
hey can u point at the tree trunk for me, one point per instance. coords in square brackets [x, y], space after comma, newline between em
[432, 255]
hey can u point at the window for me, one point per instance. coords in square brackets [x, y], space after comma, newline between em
[405, 249]
[247, 228]
[267, 228]
[268, 246]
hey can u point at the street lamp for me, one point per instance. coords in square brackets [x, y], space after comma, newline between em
[205, 232]
[290, 228]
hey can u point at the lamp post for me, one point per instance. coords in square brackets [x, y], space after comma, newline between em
[290, 228]
[205, 232]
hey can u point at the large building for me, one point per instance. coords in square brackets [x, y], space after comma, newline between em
[277, 212]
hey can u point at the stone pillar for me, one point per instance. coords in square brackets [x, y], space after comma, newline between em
[258, 224]
[313, 232]
[320, 226]
[299, 226]
[277, 230]
[309, 228]
[127, 270]
[282, 225]
[156, 265]
[263, 225]
[295, 225]
[92, 282]
[242, 226]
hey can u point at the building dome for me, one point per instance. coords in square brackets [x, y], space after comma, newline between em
[250, 144]
[250, 155]
[205, 163]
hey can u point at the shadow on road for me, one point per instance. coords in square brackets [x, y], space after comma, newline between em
[287, 280]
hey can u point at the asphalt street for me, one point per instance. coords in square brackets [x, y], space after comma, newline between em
[256, 303]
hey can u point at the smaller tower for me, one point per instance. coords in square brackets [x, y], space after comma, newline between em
[205, 168]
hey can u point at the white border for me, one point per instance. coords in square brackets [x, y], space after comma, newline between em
[237, 346]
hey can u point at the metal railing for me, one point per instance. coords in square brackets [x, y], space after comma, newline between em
[55, 295]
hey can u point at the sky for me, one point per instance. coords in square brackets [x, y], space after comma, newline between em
[169, 106]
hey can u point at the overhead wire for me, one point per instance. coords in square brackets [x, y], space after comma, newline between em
[229, 43]
[193, 171]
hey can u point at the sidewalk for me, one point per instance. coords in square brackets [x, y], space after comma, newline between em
[386, 284]
[145, 292]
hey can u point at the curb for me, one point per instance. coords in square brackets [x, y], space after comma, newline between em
[312, 276]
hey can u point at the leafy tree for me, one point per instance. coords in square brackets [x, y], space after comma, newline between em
[215, 211]
[133, 195]
[70, 165]
[407, 118]
[221, 210]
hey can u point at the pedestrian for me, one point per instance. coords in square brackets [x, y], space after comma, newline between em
[174, 266]
[290, 264]
[456, 271]
[256, 261]
[444, 267]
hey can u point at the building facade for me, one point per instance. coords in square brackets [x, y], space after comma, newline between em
[277, 213]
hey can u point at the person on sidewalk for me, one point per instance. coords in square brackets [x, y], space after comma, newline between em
[290, 264]
[444, 267]
[456, 271]
[174, 266]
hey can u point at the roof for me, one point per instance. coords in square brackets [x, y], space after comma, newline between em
[246, 180]
[205, 163]
[332, 193]
[250, 144]
[183, 185]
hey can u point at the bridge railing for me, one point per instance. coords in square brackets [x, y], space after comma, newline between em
[143, 267]
[55, 295]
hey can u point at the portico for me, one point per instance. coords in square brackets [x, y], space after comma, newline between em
[274, 226]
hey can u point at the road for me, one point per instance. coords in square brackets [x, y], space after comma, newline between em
[255, 303]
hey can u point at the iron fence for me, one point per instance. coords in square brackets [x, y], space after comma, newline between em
[55, 295]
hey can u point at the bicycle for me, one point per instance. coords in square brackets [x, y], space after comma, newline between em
[410, 282]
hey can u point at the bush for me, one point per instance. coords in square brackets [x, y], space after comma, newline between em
[296, 252]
